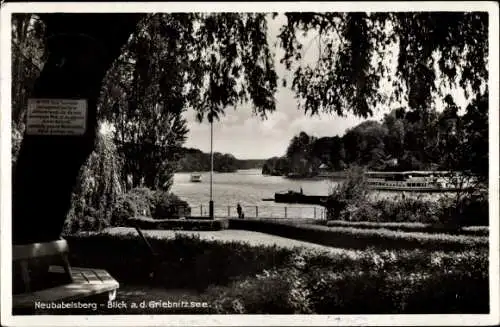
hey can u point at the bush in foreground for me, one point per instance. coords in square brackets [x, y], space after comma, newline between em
[137, 201]
[178, 224]
[465, 210]
[183, 262]
[350, 193]
[147, 203]
[411, 227]
[373, 283]
[358, 238]
[169, 206]
[349, 201]
[239, 278]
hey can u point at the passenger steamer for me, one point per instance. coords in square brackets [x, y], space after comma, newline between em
[412, 181]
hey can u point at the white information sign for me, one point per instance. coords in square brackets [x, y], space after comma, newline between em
[56, 117]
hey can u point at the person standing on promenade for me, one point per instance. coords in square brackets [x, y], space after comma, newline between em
[240, 211]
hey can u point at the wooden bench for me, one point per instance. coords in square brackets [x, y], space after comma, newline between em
[80, 282]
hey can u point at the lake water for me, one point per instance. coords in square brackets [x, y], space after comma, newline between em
[249, 187]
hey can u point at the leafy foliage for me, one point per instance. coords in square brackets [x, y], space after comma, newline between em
[97, 188]
[27, 60]
[178, 224]
[17, 138]
[169, 206]
[196, 160]
[365, 143]
[404, 210]
[192, 160]
[351, 192]
[207, 62]
[275, 291]
[463, 139]
[141, 99]
[186, 261]
[239, 278]
[411, 227]
[276, 166]
[298, 154]
[143, 202]
[354, 48]
[465, 209]
[448, 140]
[211, 61]
[349, 201]
[350, 237]
[136, 202]
[28, 57]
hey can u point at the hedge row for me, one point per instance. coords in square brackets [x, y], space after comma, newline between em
[411, 227]
[327, 291]
[239, 278]
[357, 238]
[178, 224]
[183, 262]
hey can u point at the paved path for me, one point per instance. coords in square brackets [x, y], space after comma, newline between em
[233, 235]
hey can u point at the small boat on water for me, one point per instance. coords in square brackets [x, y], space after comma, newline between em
[195, 178]
[298, 197]
[413, 181]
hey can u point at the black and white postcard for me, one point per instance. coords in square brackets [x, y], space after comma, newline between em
[251, 164]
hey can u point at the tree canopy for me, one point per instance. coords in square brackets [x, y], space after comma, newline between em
[353, 56]
[450, 141]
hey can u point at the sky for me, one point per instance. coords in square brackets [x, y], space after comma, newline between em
[246, 136]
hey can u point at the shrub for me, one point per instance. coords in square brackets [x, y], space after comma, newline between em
[406, 210]
[92, 220]
[373, 282]
[357, 238]
[275, 291]
[136, 202]
[147, 203]
[465, 210]
[352, 191]
[178, 224]
[410, 227]
[364, 211]
[349, 201]
[239, 278]
[395, 293]
[182, 262]
[123, 210]
[169, 206]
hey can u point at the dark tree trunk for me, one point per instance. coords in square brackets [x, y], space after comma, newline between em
[81, 48]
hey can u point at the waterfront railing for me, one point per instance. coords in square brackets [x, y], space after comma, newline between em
[258, 211]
